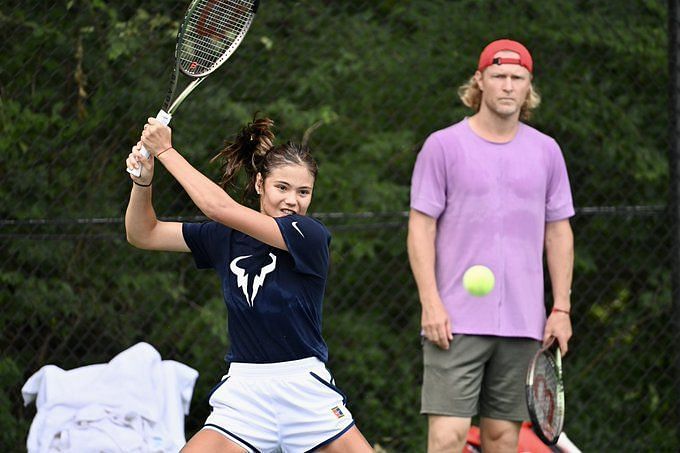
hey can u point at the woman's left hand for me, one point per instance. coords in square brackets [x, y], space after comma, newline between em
[156, 137]
[136, 160]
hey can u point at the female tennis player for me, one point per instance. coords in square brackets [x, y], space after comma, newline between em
[278, 394]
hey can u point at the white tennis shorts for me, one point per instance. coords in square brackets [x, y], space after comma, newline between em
[287, 406]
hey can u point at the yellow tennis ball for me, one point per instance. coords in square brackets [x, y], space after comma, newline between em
[478, 280]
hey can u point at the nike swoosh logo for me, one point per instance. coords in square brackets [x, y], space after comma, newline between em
[297, 228]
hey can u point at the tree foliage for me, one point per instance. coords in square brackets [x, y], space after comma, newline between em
[79, 78]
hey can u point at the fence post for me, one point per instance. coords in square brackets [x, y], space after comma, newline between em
[674, 167]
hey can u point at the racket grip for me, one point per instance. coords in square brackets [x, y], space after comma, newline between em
[164, 118]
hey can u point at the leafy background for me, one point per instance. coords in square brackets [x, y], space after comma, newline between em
[78, 79]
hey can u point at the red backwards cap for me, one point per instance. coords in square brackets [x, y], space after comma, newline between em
[486, 58]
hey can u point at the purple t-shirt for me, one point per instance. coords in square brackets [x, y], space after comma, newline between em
[491, 202]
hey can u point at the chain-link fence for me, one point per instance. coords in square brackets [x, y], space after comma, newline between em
[78, 79]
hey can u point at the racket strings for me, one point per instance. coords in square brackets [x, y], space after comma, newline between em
[545, 388]
[212, 31]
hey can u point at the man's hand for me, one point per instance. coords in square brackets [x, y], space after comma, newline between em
[436, 324]
[558, 326]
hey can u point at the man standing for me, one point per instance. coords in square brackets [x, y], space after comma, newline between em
[489, 190]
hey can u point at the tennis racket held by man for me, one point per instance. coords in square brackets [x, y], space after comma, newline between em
[545, 393]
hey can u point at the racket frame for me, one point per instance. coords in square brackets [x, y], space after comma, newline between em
[170, 106]
[555, 362]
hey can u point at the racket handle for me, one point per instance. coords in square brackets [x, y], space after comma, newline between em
[164, 118]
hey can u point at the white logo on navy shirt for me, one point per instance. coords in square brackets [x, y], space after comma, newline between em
[297, 228]
[258, 280]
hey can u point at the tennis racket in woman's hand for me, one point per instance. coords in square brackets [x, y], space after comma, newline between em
[211, 31]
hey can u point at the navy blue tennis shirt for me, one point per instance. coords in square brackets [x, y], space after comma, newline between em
[274, 297]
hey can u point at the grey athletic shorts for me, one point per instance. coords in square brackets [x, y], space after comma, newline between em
[477, 375]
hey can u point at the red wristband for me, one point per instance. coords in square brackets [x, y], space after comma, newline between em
[559, 310]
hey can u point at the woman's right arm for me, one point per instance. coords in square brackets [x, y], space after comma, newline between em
[142, 228]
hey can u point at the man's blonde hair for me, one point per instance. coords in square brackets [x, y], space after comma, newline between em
[471, 96]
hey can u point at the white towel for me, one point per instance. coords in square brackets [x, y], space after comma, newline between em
[134, 403]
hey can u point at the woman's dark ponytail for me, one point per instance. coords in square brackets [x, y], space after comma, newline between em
[247, 151]
[253, 150]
